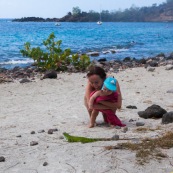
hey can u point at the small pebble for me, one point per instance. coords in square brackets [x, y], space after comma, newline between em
[45, 164]
[2, 159]
[131, 120]
[131, 107]
[55, 130]
[32, 132]
[18, 136]
[140, 123]
[33, 143]
[151, 69]
[115, 137]
[136, 141]
[169, 67]
[117, 127]
[41, 131]
[125, 129]
[24, 80]
[50, 131]
[170, 91]
[61, 137]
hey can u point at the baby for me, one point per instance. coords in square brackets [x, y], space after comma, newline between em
[107, 93]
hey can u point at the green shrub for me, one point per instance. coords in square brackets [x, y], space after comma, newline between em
[54, 57]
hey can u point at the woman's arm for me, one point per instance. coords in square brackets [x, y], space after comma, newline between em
[92, 98]
[111, 105]
[88, 91]
[119, 102]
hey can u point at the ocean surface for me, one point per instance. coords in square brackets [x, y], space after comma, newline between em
[136, 40]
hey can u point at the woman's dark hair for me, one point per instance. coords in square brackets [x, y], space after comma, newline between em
[95, 70]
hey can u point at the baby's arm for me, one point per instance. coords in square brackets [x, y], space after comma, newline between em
[92, 98]
[111, 105]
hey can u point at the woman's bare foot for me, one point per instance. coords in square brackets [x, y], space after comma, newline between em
[91, 125]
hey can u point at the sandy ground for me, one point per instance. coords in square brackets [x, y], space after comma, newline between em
[58, 103]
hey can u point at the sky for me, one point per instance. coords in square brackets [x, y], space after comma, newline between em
[59, 8]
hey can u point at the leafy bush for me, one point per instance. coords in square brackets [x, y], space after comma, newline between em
[54, 57]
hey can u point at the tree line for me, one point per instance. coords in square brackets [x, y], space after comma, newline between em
[132, 14]
[161, 12]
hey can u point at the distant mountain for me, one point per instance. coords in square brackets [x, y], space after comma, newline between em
[155, 13]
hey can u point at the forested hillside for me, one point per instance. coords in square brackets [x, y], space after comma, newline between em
[161, 12]
[155, 13]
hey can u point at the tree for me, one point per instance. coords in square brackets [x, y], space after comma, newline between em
[76, 11]
[170, 3]
[69, 14]
[93, 16]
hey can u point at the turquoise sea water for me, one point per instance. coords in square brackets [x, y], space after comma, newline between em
[137, 40]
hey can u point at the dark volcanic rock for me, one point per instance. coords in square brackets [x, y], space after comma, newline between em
[170, 91]
[32, 132]
[41, 131]
[115, 137]
[2, 159]
[52, 74]
[102, 59]
[153, 111]
[140, 123]
[2, 70]
[24, 80]
[127, 59]
[142, 61]
[167, 118]
[50, 131]
[19, 136]
[153, 63]
[33, 143]
[131, 107]
[45, 164]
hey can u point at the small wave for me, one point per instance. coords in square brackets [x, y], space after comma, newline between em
[17, 62]
[121, 50]
[116, 50]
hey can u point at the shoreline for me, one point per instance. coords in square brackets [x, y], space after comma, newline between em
[58, 104]
[32, 72]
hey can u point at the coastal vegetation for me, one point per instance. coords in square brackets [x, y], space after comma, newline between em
[154, 13]
[148, 148]
[53, 57]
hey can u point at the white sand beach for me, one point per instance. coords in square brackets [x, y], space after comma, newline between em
[58, 104]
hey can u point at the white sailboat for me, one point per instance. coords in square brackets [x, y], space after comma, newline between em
[100, 21]
[57, 24]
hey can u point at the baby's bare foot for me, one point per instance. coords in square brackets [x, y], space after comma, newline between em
[111, 126]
